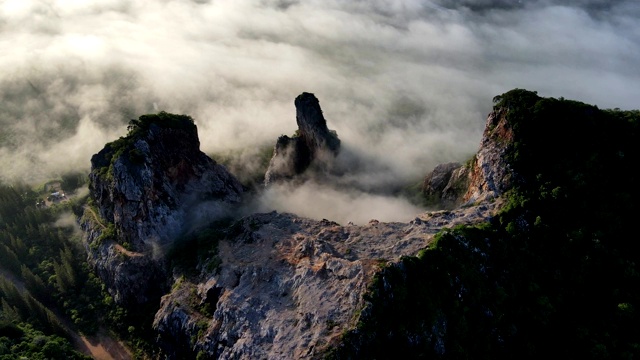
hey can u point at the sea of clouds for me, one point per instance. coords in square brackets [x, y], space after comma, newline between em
[405, 83]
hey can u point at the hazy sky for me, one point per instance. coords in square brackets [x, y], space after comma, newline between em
[408, 83]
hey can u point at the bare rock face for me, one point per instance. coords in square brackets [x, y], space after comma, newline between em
[491, 173]
[127, 274]
[288, 287]
[276, 286]
[438, 186]
[313, 145]
[153, 178]
[487, 176]
[147, 187]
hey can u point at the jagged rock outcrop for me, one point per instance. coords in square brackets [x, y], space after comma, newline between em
[288, 287]
[314, 144]
[488, 175]
[154, 177]
[279, 286]
[491, 174]
[148, 188]
[438, 185]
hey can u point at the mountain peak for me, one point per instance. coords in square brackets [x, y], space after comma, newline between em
[313, 145]
[149, 188]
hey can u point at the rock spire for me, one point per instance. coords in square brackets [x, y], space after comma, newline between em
[313, 145]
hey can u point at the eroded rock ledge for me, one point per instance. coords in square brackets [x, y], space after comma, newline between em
[288, 287]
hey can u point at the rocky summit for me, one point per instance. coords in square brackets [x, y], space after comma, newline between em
[313, 145]
[287, 287]
[148, 188]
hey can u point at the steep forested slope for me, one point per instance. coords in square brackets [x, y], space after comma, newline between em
[48, 294]
[42, 277]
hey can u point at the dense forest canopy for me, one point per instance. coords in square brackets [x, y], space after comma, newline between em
[47, 291]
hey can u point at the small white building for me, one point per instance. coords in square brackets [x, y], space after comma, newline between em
[57, 195]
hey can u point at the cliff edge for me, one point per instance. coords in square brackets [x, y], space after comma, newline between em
[486, 176]
[282, 286]
[147, 189]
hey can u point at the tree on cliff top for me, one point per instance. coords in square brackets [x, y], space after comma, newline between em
[162, 119]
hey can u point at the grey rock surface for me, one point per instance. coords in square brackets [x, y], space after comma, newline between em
[491, 174]
[314, 145]
[280, 286]
[288, 287]
[488, 175]
[149, 188]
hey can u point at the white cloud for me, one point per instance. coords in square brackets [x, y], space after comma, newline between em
[318, 202]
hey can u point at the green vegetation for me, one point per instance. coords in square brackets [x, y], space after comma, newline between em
[108, 233]
[104, 160]
[48, 260]
[162, 119]
[22, 341]
[555, 274]
[47, 290]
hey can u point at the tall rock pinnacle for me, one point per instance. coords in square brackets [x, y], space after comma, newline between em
[313, 144]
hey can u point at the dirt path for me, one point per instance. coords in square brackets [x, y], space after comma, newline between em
[100, 347]
[95, 216]
[129, 253]
[118, 247]
[103, 347]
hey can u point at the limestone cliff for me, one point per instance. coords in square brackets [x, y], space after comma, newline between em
[313, 145]
[148, 188]
[279, 286]
[488, 175]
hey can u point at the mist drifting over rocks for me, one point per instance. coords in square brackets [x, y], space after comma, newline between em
[403, 82]
[313, 147]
